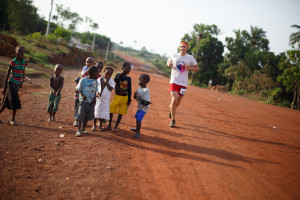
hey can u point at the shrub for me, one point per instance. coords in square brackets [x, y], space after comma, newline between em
[63, 33]
[275, 94]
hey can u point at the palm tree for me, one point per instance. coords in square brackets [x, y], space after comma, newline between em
[94, 26]
[295, 37]
[48, 25]
[59, 9]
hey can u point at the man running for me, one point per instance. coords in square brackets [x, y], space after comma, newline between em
[181, 63]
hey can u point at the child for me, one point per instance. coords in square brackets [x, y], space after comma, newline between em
[89, 62]
[12, 83]
[87, 88]
[100, 67]
[76, 97]
[142, 95]
[122, 98]
[106, 85]
[56, 85]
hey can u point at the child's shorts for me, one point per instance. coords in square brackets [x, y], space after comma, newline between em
[139, 115]
[53, 101]
[119, 102]
[177, 88]
[84, 111]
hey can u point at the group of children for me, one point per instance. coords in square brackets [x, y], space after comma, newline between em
[92, 97]
[92, 94]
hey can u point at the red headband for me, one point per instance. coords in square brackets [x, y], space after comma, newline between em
[185, 43]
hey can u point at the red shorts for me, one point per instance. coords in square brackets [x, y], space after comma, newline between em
[177, 88]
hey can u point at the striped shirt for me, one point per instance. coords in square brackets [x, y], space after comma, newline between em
[17, 70]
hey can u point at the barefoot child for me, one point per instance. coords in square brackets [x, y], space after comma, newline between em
[56, 85]
[142, 95]
[87, 88]
[13, 81]
[105, 86]
[122, 98]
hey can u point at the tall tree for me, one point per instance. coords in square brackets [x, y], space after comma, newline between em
[95, 26]
[17, 10]
[48, 25]
[295, 37]
[290, 78]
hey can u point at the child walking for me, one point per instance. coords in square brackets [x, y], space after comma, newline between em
[13, 81]
[142, 95]
[105, 86]
[56, 85]
[122, 98]
[87, 88]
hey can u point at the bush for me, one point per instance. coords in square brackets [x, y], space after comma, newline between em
[275, 94]
[37, 36]
[51, 37]
[63, 33]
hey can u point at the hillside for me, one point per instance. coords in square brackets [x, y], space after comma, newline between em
[224, 147]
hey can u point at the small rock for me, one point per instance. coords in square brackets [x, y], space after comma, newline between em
[67, 178]
[60, 127]
[24, 147]
[62, 135]
[41, 160]
[274, 127]
[57, 143]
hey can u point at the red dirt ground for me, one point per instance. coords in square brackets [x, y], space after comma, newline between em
[224, 147]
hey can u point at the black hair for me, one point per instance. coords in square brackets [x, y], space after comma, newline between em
[100, 64]
[77, 79]
[145, 77]
[93, 69]
[109, 69]
[126, 64]
[19, 47]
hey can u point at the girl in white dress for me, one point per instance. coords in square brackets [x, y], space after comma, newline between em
[105, 85]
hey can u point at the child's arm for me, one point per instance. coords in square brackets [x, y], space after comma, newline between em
[51, 85]
[6, 80]
[23, 78]
[135, 94]
[108, 86]
[61, 86]
[129, 92]
[83, 96]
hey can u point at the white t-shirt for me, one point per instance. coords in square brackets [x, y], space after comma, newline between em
[84, 69]
[179, 74]
[143, 94]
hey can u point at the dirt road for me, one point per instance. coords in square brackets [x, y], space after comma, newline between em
[224, 147]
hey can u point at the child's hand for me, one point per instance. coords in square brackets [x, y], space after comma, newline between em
[97, 94]
[4, 91]
[57, 93]
[134, 95]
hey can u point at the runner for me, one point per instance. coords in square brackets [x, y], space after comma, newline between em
[181, 63]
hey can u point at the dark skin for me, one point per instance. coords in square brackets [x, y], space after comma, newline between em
[20, 55]
[141, 83]
[104, 83]
[58, 71]
[82, 124]
[126, 70]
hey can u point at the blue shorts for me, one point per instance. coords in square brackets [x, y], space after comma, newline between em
[139, 115]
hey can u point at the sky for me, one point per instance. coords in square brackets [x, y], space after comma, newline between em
[159, 25]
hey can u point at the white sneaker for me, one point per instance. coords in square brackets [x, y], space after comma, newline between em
[85, 132]
[78, 134]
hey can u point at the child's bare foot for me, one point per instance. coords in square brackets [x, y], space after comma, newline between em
[107, 128]
[115, 129]
[93, 128]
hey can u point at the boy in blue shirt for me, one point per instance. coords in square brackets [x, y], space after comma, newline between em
[87, 88]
